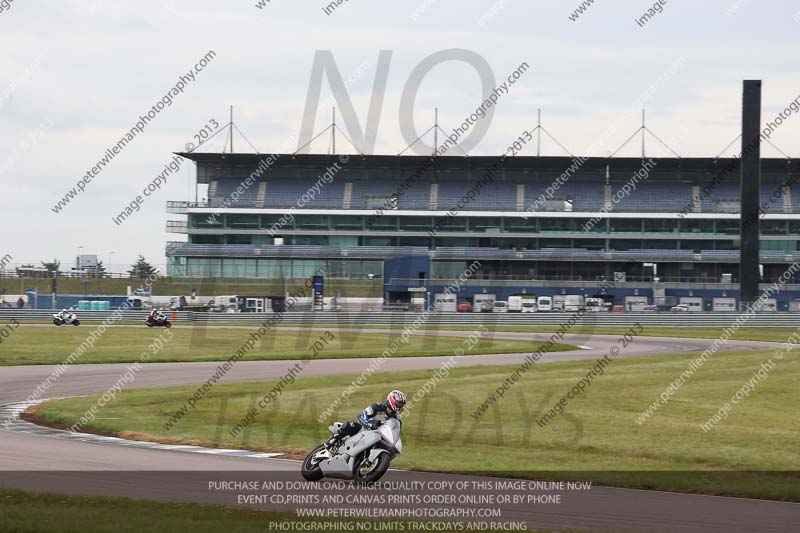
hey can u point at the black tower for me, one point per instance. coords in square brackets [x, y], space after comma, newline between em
[750, 193]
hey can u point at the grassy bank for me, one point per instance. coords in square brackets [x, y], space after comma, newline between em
[752, 453]
[43, 345]
[49, 513]
[778, 334]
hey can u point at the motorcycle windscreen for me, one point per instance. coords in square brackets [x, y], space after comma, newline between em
[390, 431]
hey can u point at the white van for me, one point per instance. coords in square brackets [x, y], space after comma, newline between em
[528, 306]
[544, 304]
[500, 307]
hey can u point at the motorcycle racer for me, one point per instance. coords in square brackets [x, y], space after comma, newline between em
[371, 417]
[66, 316]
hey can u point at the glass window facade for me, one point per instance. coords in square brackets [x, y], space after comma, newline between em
[504, 233]
[270, 268]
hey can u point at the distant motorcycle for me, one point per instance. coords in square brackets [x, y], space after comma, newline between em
[157, 323]
[364, 457]
[69, 319]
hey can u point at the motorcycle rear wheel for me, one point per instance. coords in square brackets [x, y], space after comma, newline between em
[76, 323]
[309, 470]
[374, 472]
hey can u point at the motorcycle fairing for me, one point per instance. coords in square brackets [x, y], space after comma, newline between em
[341, 465]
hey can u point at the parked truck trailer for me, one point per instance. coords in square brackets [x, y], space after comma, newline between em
[692, 303]
[724, 304]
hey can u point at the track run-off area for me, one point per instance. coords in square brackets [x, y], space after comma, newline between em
[46, 460]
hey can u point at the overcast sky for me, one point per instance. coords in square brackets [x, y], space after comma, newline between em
[75, 75]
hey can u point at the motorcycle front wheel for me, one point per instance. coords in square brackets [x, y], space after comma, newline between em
[311, 470]
[149, 324]
[366, 472]
[168, 324]
[56, 322]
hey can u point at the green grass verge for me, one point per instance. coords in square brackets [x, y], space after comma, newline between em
[752, 453]
[26, 346]
[689, 332]
[777, 334]
[26, 512]
[49, 513]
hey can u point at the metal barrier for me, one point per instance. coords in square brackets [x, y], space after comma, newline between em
[356, 318]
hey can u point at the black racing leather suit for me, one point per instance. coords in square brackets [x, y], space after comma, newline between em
[371, 417]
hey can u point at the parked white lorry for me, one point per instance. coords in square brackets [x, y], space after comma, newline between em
[573, 303]
[596, 305]
[483, 303]
[693, 303]
[444, 302]
[724, 304]
[635, 303]
[515, 304]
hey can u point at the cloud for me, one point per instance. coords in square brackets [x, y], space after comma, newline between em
[105, 63]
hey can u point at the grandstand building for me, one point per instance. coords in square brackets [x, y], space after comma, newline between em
[541, 224]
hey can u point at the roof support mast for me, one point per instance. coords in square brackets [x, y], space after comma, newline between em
[539, 132]
[435, 129]
[644, 129]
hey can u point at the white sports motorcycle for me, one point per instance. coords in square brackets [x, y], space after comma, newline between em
[62, 318]
[364, 457]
